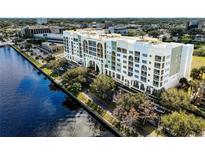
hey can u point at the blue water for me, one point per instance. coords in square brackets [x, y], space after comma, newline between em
[29, 107]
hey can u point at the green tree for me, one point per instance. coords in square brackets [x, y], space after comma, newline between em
[103, 86]
[75, 88]
[75, 75]
[181, 124]
[55, 64]
[154, 33]
[174, 99]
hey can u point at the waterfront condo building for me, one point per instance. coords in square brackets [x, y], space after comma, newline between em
[144, 64]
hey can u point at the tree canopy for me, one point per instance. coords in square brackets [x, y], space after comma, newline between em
[103, 86]
[174, 99]
[181, 124]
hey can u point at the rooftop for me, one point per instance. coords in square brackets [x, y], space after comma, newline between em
[102, 34]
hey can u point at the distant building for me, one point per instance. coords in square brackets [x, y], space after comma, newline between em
[118, 30]
[144, 64]
[31, 30]
[50, 37]
[108, 24]
[40, 29]
[52, 47]
[195, 24]
[57, 29]
[41, 21]
[199, 38]
[100, 25]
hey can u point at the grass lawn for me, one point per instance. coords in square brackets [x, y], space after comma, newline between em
[197, 62]
[47, 71]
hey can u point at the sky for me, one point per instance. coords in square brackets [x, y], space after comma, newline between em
[102, 8]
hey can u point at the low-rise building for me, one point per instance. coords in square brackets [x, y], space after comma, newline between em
[40, 29]
[118, 30]
[52, 47]
[50, 37]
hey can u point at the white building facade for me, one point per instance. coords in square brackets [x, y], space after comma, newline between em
[140, 64]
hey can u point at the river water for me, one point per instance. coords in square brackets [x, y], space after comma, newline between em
[29, 106]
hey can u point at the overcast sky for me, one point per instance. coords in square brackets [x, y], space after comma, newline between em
[102, 8]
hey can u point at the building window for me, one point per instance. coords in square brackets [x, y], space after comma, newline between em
[144, 55]
[130, 52]
[144, 61]
[158, 58]
[118, 76]
[136, 76]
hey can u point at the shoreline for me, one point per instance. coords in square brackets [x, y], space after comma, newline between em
[83, 105]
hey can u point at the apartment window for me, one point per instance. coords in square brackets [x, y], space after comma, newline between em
[157, 65]
[125, 67]
[136, 76]
[160, 84]
[137, 53]
[136, 65]
[118, 55]
[163, 58]
[150, 55]
[144, 55]
[118, 76]
[124, 61]
[144, 61]
[130, 52]
[118, 60]
[156, 84]
[124, 56]
[124, 72]
[150, 62]
[158, 58]
[137, 71]
[137, 59]
[156, 71]
[124, 51]
[143, 79]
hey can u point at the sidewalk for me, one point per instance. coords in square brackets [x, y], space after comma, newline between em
[99, 101]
